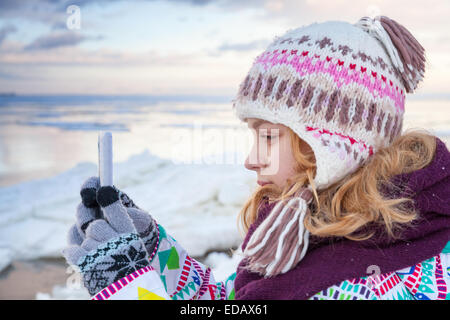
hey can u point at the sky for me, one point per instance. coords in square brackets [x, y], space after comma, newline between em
[197, 47]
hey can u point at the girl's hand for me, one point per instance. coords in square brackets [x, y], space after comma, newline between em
[88, 211]
[104, 243]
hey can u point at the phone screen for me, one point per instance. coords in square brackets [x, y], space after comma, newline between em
[105, 158]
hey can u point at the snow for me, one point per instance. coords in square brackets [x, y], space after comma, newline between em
[222, 265]
[197, 204]
[5, 257]
[60, 292]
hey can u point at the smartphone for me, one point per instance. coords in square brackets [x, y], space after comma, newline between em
[105, 158]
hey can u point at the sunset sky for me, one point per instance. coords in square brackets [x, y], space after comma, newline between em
[197, 47]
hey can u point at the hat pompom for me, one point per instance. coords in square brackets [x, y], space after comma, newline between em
[406, 53]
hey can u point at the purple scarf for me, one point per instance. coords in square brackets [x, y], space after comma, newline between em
[329, 261]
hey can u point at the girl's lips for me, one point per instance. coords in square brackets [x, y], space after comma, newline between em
[262, 183]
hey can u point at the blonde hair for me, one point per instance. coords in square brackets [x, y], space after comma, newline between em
[344, 208]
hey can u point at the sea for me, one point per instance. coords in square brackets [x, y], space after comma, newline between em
[41, 136]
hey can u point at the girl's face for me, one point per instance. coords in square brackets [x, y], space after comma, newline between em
[271, 156]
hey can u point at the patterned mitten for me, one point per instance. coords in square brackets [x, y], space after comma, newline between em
[110, 247]
[88, 210]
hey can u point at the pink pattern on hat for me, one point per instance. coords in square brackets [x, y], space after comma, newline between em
[304, 66]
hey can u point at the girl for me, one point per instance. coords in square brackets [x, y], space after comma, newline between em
[350, 207]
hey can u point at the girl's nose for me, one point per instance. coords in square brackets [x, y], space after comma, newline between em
[249, 165]
[254, 161]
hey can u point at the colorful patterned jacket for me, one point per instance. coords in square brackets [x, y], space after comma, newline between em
[173, 274]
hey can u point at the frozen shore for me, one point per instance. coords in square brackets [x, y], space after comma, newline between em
[197, 203]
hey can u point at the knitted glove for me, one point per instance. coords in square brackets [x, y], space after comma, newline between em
[109, 248]
[88, 210]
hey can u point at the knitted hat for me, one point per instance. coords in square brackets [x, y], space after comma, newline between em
[339, 86]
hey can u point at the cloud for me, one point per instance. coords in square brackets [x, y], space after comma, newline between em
[49, 12]
[71, 56]
[5, 31]
[194, 2]
[41, 10]
[10, 76]
[59, 25]
[24, 8]
[60, 39]
[53, 12]
[247, 46]
[9, 5]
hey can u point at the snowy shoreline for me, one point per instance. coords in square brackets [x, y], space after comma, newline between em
[196, 203]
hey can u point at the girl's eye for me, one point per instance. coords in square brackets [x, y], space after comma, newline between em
[270, 138]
